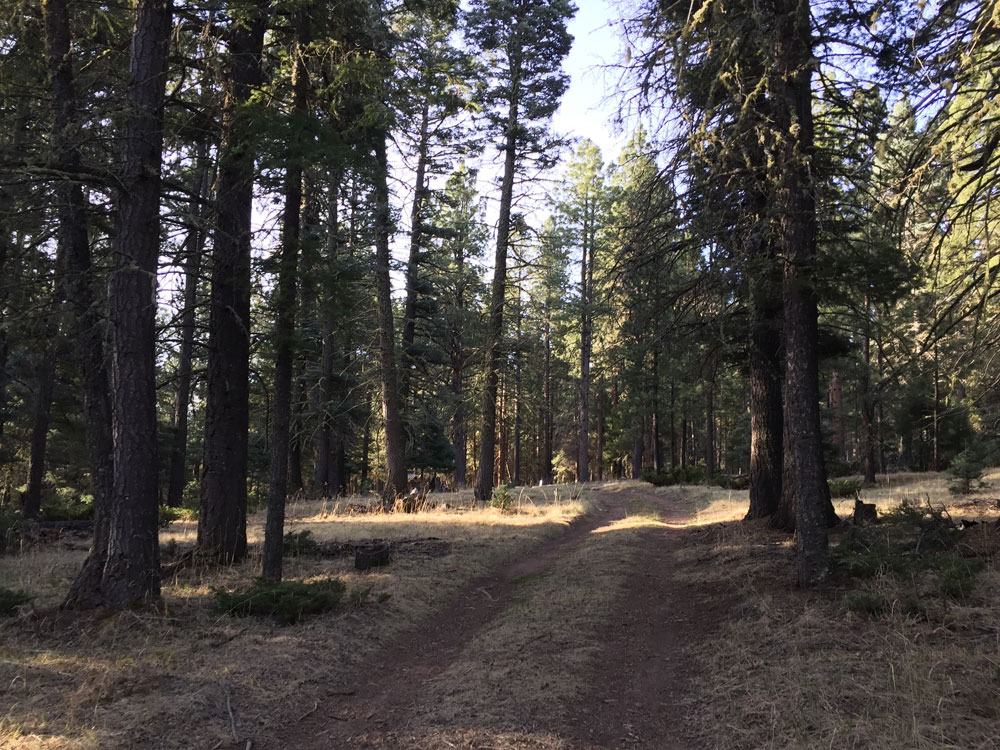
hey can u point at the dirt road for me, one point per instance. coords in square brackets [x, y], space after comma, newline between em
[580, 644]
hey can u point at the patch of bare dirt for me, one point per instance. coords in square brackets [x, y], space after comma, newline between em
[643, 687]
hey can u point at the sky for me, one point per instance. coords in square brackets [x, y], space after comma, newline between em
[590, 102]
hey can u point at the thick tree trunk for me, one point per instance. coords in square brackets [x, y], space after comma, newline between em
[222, 533]
[31, 500]
[766, 410]
[394, 443]
[194, 246]
[494, 331]
[284, 328]
[797, 217]
[413, 262]
[132, 564]
[81, 292]
[657, 441]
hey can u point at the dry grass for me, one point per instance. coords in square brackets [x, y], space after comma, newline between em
[795, 669]
[188, 677]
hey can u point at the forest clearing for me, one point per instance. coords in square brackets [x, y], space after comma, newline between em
[499, 374]
[607, 615]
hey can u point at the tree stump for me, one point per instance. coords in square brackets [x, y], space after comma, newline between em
[372, 555]
[865, 514]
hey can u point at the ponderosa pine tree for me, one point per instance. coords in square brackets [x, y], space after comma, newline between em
[527, 39]
[222, 519]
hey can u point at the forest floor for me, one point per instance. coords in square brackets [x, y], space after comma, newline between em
[615, 615]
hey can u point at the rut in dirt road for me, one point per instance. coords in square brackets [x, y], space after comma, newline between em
[578, 645]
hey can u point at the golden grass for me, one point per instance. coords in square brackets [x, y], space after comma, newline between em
[187, 677]
[797, 669]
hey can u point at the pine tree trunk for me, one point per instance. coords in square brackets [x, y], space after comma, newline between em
[710, 428]
[395, 460]
[657, 442]
[547, 403]
[81, 291]
[637, 448]
[494, 331]
[413, 262]
[222, 534]
[867, 410]
[132, 564]
[797, 217]
[458, 379]
[517, 393]
[586, 280]
[194, 246]
[31, 500]
[766, 410]
[284, 328]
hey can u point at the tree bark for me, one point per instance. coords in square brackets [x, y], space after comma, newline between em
[710, 426]
[867, 407]
[132, 566]
[81, 292]
[586, 284]
[766, 410]
[395, 460]
[494, 331]
[547, 401]
[284, 328]
[222, 520]
[797, 217]
[195, 243]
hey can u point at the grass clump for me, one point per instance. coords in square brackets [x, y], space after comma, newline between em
[286, 601]
[298, 543]
[865, 603]
[10, 600]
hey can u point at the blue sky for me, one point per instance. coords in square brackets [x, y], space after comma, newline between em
[590, 102]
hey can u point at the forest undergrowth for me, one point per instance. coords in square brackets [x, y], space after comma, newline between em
[890, 660]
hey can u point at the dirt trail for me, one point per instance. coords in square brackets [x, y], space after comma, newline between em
[639, 681]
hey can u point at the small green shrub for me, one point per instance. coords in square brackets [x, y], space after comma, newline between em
[957, 575]
[10, 600]
[865, 603]
[911, 540]
[73, 511]
[10, 527]
[843, 487]
[299, 543]
[965, 472]
[502, 498]
[287, 601]
[168, 515]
